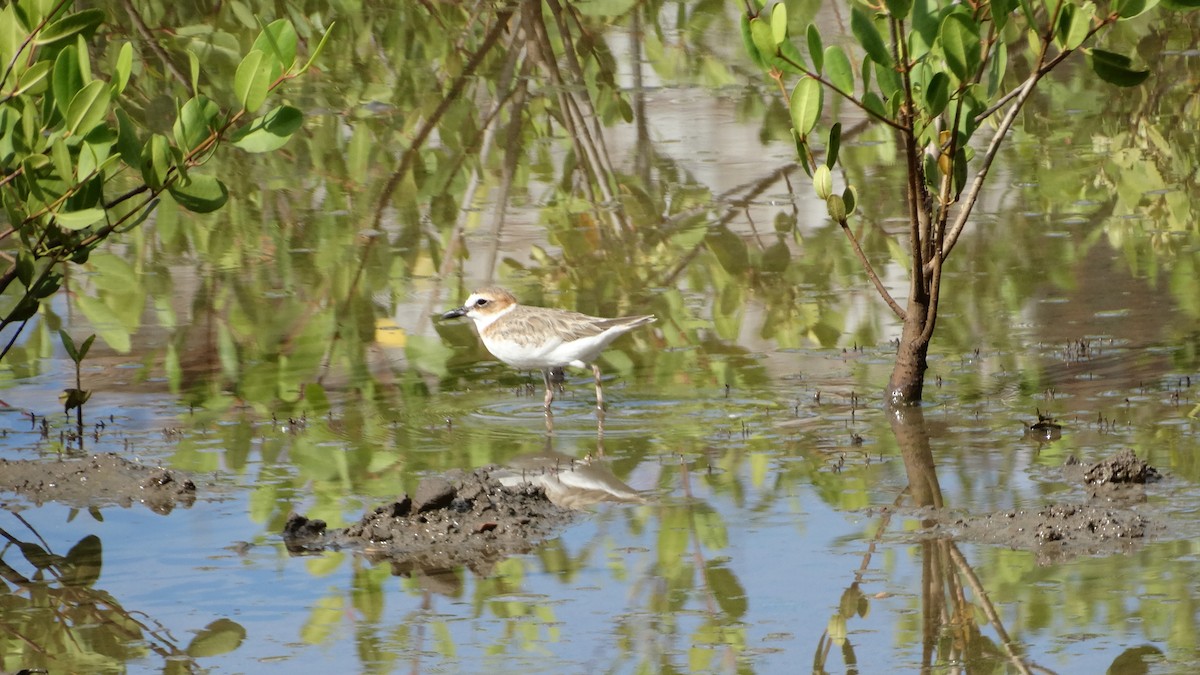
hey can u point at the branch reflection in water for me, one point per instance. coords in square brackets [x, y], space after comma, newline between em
[946, 610]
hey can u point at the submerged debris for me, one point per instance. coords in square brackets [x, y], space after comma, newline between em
[1046, 428]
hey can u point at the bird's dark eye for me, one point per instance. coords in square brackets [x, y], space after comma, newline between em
[481, 302]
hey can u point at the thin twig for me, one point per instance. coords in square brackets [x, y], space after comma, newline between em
[985, 603]
[879, 287]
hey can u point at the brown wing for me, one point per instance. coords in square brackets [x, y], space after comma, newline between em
[568, 325]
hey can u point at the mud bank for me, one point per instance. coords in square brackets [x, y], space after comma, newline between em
[1106, 523]
[99, 480]
[472, 518]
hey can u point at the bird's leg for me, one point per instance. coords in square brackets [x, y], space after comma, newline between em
[549, 389]
[599, 392]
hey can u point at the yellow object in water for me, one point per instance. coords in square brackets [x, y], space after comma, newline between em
[388, 334]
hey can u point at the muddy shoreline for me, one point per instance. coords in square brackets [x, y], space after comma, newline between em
[1106, 522]
[96, 481]
[475, 518]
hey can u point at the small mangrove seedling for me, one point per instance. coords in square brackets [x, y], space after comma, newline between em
[74, 398]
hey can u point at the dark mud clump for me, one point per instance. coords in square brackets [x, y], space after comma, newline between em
[461, 518]
[98, 480]
[1103, 525]
[1121, 469]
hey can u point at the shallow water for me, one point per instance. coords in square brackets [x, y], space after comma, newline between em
[740, 566]
[749, 417]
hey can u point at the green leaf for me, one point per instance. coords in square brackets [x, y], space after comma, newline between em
[806, 105]
[925, 19]
[1127, 9]
[95, 157]
[837, 208]
[123, 68]
[888, 82]
[25, 268]
[822, 182]
[748, 42]
[996, 69]
[37, 556]
[270, 131]
[815, 50]
[67, 79]
[85, 59]
[868, 36]
[156, 161]
[899, 8]
[329, 31]
[874, 104]
[219, 637]
[69, 345]
[33, 80]
[428, 355]
[60, 156]
[729, 249]
[1115, 68]
[26, 307]
[779, 22]
[731, 595]
[1073, 24]
[196, 122]
[253, 80]
[31, 166]
[194, 68]
[46, 286]
[128, 145]
[82, 563]
[278, 39]
[105, 321]
[764, 39]
[1181, 5]
[959, 36]
[88, 108]
[86, 346]
[960, 171]
[803, 151]
[81, 23]
[1001, 9]
[77, 220]
[850, 199]
[1030, 13]
[937, 94]
[200, 194]
[838, 69]
[833, 145]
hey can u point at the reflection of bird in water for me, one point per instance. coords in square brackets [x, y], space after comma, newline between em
[541, 338]
[569, 482]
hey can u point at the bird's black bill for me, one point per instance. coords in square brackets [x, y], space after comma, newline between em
[455, 313]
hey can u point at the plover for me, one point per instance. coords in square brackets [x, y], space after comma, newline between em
[541, 338]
